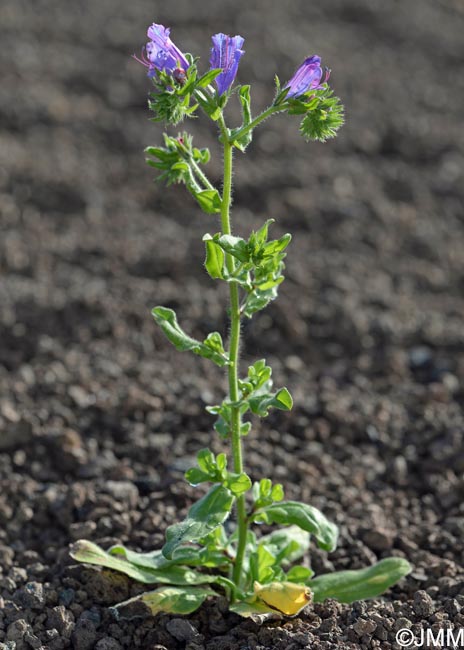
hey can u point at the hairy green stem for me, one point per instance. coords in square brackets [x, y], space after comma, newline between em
[201, 175]
[257, 120]
[234, 350]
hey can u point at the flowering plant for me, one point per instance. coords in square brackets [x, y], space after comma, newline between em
[204, 555]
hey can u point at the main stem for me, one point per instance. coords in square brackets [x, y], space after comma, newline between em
[234, 350]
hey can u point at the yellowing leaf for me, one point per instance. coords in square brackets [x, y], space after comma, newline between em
[285, 597]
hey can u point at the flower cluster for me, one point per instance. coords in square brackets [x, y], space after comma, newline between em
[160, 54]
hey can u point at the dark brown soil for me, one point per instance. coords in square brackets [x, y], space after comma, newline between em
[99, 416]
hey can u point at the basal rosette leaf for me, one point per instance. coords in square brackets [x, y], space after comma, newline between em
[161, 572]
[273, 600]
[170, 600]
[349, 586]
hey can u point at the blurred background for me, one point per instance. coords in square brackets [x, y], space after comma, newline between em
[99, 417]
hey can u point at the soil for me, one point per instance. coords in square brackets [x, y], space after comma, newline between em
[99, 416]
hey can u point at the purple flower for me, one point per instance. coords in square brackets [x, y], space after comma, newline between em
[226, 54]
[161, 53]
[309, 76]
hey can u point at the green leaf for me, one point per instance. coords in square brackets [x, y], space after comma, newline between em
[160, 572]
[167, 320]
[348, 586]
[214, 261]
[260, 404]
[238, 484]
[287, 544]
[195, 476]
[299, 574]
[262, 563]
[203, 517]
[245, 100]
[305, 516]
[277, 245]
[209, 77]
[235, 246]
[214, 342]
[171, 600]
[209, 200]
[209, 555]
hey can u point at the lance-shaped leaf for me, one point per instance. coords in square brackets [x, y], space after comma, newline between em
[209, 200]
[161, 572]
[348, 586]
[208, 77]
[214, 262]
[203, 517]
[211, 348]
[305, 517]
[243, 141]
[171, 600]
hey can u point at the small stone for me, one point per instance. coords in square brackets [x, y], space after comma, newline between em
[33, 640]
[452, 607]
[8, 584]
[82, 530]
[122, 491]
[108, 643]
[16, 632]
[181, 629]
[379, 539]
[32, 595]
[6, 557]
[17, 574]
[423, 604]
[401, 622]
[62, 620]
[66, 597]
[107, 588]
[15, 434]
[84, 635]
[363, 626]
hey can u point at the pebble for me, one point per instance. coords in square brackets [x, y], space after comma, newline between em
[423, 604]
[16, 434]
[108, 643]
[82, 530]
[16, 632]
[61, 619]
[181, 629]
[6, 556]
[66, 597]
[32, 595]
[84, 635]
[364, 626]
[379, 539]
[122, 491]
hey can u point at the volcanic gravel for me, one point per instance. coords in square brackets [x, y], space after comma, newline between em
[100, 417]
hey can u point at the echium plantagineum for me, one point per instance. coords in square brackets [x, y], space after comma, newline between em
[202, 557]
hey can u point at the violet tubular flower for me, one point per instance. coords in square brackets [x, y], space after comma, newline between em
[160, 53]
[309, 76]
[226, 54]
